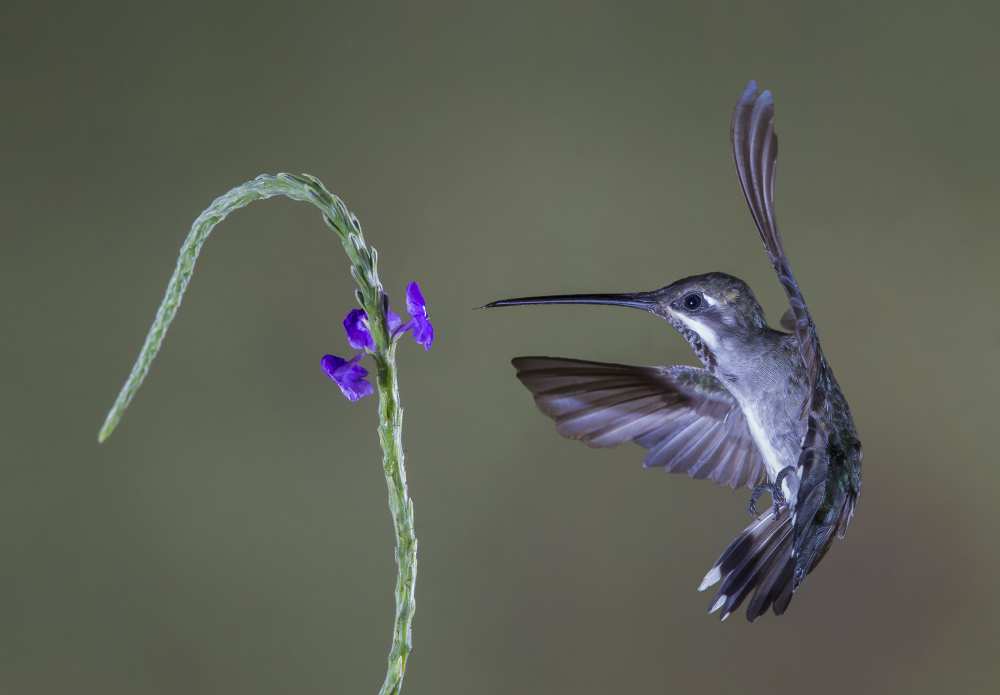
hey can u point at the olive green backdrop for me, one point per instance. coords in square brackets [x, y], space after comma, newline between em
[233, 536]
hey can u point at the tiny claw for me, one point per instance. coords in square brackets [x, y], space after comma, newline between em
[755, 495]
[774, 489]
[778, 497]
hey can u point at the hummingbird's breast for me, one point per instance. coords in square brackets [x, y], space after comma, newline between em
[769, 384]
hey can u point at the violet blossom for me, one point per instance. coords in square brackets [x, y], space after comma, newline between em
[351, 376]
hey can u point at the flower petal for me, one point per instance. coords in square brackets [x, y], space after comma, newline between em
[348, 375]
[423, 332]
[415, 304]
[359, 336]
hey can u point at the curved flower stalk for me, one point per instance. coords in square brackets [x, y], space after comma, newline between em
[374, 329]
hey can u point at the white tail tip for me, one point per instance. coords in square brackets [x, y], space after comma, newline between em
[718, 604]
[711, 578]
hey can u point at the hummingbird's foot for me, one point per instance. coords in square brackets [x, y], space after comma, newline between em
[774, 489]
[778, 494]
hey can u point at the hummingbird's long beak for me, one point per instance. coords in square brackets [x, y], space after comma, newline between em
[636, 300]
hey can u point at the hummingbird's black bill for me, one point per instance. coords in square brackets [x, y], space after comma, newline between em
[635, 300]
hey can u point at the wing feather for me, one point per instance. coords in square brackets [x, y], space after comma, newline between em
[683, 415]
[755, 152]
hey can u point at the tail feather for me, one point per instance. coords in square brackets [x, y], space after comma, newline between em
[739, 585]
[778, 575]
[758, 560]
[784, 595]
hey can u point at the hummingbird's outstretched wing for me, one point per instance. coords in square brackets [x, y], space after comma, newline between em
[683, 415]
[821, 507]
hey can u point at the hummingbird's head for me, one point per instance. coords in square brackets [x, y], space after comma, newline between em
[714, 305]
[709, 311]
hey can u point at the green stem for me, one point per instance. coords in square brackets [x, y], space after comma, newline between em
[390, 433]
[371, 297]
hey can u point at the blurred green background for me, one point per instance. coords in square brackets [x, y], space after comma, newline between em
[233, 535]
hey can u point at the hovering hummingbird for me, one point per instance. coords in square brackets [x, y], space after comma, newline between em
[765, 411]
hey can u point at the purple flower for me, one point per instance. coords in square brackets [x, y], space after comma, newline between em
[348, 375]
[356, 327]
[420, 324]
[394, 322]
[359, 334]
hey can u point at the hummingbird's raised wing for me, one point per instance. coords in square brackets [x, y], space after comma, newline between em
[683, 415]
[755, 152]
[820, 508]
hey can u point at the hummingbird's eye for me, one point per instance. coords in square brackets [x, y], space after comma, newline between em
[692, 302]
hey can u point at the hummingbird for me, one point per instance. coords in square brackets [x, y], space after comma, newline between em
[764, 411]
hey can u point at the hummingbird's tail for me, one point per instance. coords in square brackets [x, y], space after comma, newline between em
[760, 557]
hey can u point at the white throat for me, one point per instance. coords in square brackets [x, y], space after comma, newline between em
[707, 335]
